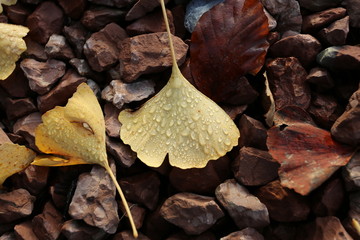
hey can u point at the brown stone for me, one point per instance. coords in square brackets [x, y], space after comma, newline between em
[244, 208]
[8, 236]
[178, 13]
[148, 53]
[33, 179]
[47, 225]
[15, 205]
[98, 17]
[121, 152]
[156, 227]
[336, 33]
[321, 78]
[329, 228]
[253, 133]
[25, 127]
[46, 20]
[112, 124]
[344, 57]
[254, 167]
[319, 5]
[35, 50]
[142, 188]
[114, 3]
[127, 235]
[16, 108]
[24, 231]
[101, 48]
[234, 111]
[353, 9]
[302, 46]
[201, 180]
[77, 229]
[42, 75]
[287, 80]
[351, 173]
[76, 34]
[316, 21]
[17, 13]
[16, 85]
[138, 213]
[73, 9]
[245, 234]
[193, 213]
[59, 95]
[58, 48]
[276, 197]
[140, 8]
[83, 68]
[183, 236]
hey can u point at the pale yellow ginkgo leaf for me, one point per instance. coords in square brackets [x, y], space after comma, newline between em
[13, 158]
[11, 46]
[179, 121]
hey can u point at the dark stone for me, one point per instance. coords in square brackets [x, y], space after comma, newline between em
[183, 236]
[97, 18]
[329, 228]
[351, 173]
[76, 34]
[319, 5]
[156, 227]
[121, 152]
[138, 213]
[253, 133]
[8, 236]
[318, 20]
[83, 68]
[16, 108]
[321, 78]
[234, 111]
[353, 9]
[245, 234]
[17, 13]
[73, 9]
[16, 85]
[77, 229]
[127, 235]
[35, 50]
[58, 48]
[344, 57]
[141, 8]
[336, 33]
[33, 179]
[24, 231]
[112, 124]
[25, 127]
[114, 3]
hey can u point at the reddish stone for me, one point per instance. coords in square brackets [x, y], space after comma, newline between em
[120, 152]
[353, 9]
[245, 234]
[316, 21]
[114, 3]
[47, 225]
[73, 9]
[16, 108]
[35, 50]
[58, 48]
[24, 231]
[138, 213]
[16, 85]
[17, 13]
[25, 127]
[253, 133]
[33, 178]
[344, 57]
[329, 228]
[76, 34]
[321, 78]
[97, 18]
[336, 33]
[140, 8]
[234, 111]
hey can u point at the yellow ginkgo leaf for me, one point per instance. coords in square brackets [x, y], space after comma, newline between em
[11, 46]
[179, 121]
[54, 161]
[13, 159]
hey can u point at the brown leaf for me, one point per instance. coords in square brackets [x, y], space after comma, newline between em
[228, 42]
[307, 154]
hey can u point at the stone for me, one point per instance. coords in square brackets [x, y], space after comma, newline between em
[121, 152]
[141, 8]
[127, 235]
[201, 180]
[253, 133]
[114, 3]
[318, 20]
[46, 20]
[83, 68]
[344, 57]
[16, 108]
[101, 49]
[302, 46]
[77, 229]
[319, 5]
[234, 111]
[97, 18]
[244, 208]
[336, 33]
[94, 200]
[151, 24]
[15, 205]
[351, 173]
[59, 95]
[3, 137]
[120, 93]
[17, 14]
[138, 213]
[245, 234]
[287, 81]
[47, 225]
[25, 127]
[346, 128]
[35, 50]
[73, 9]
[156, 227]
[33, 179]
[271, 20]
[112, 124]
[183, 236]
[353, 9]
[42, 75]
[142, 188]
[275, 197]
[329, 228]
[76, 34]
[193, 213]
[24, 231]
[8, 236]
[58, 48]
[287, 14]
[178, 13]
[321, 78]
[16, 85]
[148, 53]
[254, 167]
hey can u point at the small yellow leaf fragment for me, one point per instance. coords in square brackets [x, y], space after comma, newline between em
[13, 159]
[54, 161]
[11, 47]
[356, 225]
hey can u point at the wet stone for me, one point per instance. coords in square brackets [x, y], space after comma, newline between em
[253, 133]
[319, 5]
[254, 167]
[121, 152]
[245, 234]
[193, 213]
[24, 231]
[76, 34]
[33, 179]
[351, 173]
[25, 127]
[321, 78]
[73, 9]
[15, 205]
[58, 48]
[344, 57]
[42, 75]
[97, 18]
[77, 229]
[316, 21]
[244, 208]
[336, 33]
[16, 108]
[141, 8]
[112, 124]
[353, 9]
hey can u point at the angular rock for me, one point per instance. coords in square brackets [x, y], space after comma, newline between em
[254, 167]
[58, 48]
[114, 3]
[35, 50]
[287, 80]
[94, 200]
[127, 235]
[244, 208]
[47, 225]
[275, 197]
[253, 133]
[59, 95]
[112, 124]
[138, 213]
[16, 85]
[321, 78]
[25, 127]
[24, 231]
[120, 93]
[302, 46]
[76, 34]
[156, 227]
[142, 188]
[8, 236]
[346, 129]
[319, 5]
[183, 236]
[234, 111]
[15, 205]
[340, 57]
[42, 75]
[201, 180]
[46, 20]
[83, 68]
[77, 229]
[17, 14]
[336, 33]
[140, 8]
[101, 48]
[245, 234]
[351, 173]
[287, 14]
[329, 228]
[193, 213]
[148, 53]
[98, 17]
[121, 152]
[353, 9]
[33, 179]
[73, 9]
[16, 108]
[316, 21]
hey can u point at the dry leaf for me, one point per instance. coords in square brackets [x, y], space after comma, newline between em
[11, 46]
[7, 3]
[181, 122]
[13, 159]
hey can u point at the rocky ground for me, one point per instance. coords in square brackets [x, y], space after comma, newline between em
[117, 47]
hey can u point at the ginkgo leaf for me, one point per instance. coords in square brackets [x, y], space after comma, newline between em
[179, 121]
[54, 161]
[13, 159]
[7, 3]
[11, 46]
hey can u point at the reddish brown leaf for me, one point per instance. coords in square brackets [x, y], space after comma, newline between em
[228, 42]
[307, 154]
